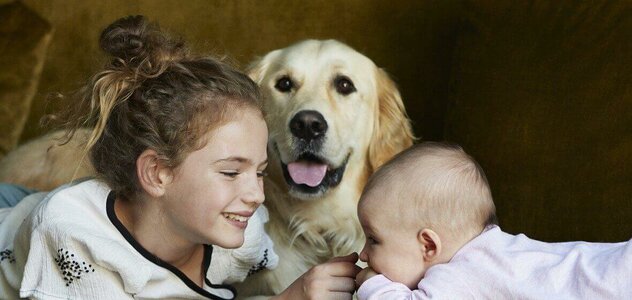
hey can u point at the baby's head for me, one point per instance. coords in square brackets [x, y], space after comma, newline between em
[419, 208]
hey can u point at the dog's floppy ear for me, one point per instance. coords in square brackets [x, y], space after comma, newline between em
[257, 69]
[392, 132]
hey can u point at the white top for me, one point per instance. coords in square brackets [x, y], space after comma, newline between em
[70, 245]
[497, 265]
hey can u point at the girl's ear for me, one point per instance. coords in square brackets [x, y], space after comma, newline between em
[430, 244]
[152, 175]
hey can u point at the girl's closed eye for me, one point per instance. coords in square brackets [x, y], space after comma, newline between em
[231, 174]
[262, 174]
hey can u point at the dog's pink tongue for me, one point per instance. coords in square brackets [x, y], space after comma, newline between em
[307, 173]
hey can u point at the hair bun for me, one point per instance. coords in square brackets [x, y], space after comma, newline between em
[125, 38]
[139, 43]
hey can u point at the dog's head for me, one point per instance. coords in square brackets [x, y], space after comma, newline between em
[332, 115]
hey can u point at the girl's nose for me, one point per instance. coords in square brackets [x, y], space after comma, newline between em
[254, 193]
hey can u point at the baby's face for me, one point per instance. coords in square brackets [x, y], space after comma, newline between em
[390, 248]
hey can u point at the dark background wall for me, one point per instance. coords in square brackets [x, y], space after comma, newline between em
[393, 34]
[538, 91]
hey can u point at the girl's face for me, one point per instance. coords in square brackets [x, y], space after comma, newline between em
[391, 248]
[218, 187]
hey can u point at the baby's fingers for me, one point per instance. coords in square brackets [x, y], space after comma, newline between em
[363, 275]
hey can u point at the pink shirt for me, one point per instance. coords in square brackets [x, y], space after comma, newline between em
[498, 265]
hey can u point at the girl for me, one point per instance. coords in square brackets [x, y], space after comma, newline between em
[179, 146]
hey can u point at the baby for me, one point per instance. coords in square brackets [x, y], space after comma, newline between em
[431, 232]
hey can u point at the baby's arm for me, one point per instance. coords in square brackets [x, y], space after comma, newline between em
[438, 285]
[380, 287]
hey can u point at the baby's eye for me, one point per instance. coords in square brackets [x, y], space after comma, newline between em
[371, 240]
[231, 174]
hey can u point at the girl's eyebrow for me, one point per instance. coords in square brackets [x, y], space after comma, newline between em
[239, 160]
[234, 159]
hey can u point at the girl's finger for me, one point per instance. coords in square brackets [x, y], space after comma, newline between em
[339, 296]
[341, 284]
[342, 269]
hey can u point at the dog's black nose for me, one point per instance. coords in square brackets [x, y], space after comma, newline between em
[308, 125]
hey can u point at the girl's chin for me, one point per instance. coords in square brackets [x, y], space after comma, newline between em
[232, 243]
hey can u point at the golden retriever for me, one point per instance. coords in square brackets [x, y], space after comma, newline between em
[42, 165]
[333, 116]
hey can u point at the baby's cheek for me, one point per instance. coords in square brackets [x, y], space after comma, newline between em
[376, 268]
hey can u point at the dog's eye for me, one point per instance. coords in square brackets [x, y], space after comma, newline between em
[344, 85]
[284, 84]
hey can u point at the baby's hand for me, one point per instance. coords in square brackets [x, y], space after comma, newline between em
[364, 275]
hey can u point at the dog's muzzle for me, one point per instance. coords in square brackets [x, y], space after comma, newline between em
[310, 173]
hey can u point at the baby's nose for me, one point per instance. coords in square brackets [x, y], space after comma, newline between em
[363, 256]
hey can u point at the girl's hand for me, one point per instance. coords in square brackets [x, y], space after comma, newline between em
[334, 279]
[364, 275]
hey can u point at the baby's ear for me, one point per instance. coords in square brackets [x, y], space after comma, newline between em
[430, 244]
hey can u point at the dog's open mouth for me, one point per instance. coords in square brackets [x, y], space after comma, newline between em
[310, 174]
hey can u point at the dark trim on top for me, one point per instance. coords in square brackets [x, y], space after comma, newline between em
[206, 262]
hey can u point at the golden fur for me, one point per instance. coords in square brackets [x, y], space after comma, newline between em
[370, 124]
[366, 128]
[42, 165]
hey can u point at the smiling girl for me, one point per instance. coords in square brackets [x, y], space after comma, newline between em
[179, 147]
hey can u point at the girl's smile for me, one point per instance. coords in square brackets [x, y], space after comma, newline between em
[239, 219]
